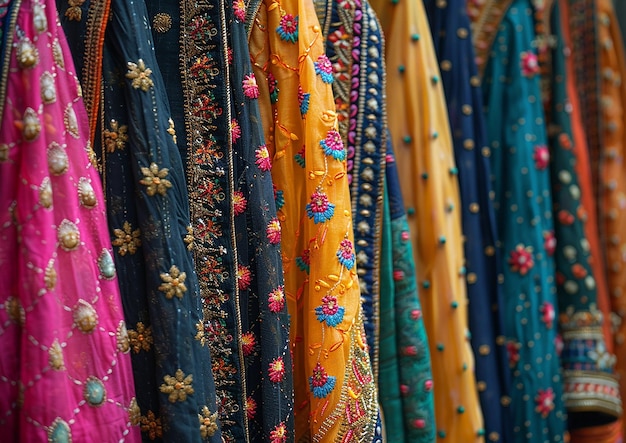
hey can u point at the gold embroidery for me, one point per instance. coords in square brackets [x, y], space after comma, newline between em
[15, 311]
[74, 12]
[134, 413]
[177, 387]
[127, 239]
[208, 423]
[151, 425]
[123, 339]
[68, 235]
[58, 162]
[140, 339]
[31, 126]
[115, 138]
[173, 283]
[154, 180]
[59, 430]
[57, 54]
[85, 317]
[48, 89]
[69, 118]
[50, 275]
[189, 238]
[200, 335]
[39, 18]
[140, 75]
[27, 54]
[162, 22]
[4, 152]
[91, 155]
[45, 193]
[86, 194]
[171, 130]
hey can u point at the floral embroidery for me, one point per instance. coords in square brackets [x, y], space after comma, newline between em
[116, 137]
[68, 235]
[530, 64]
[277, 370]
[85, 317]
[299, 157]
[250, 88]
[122, 339]
[304, 261]
[273, 231]
[330, 311]
[154, 180]
[31, 125]
[250, 408]
[74, 12]
[239, 9]
[208, 422]
[549, 242]
[188, 239]
[513, 351]
[141, 338]
[333, 145]
[248, 343]
[244, 277]
[288, 28]
[303, 100]
[565, 217]
[345, 254]
[279, 197]
[173, 283]
[126, 239]
[171, 130]
[140, 75]
[544, 401]
[177, 387]
[279, 434]
[320, 209]
[273, 87]
[324, 69]
[134, 413]
[603, 359]
[55, 356]
[263, 160]
[320, 382]
[547, 314]
[239, 203]
[277, 299]
[521, 259]
[235, 130]
[151, 425]
[27, 54]
[541, 156]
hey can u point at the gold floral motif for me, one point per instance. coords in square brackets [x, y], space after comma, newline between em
[123, 340]
[48, 88]
[58, 162]
[171, 130]
[31, 126]
[116, 137]
[127, 239]
[154, 180]
[74, 12]
[162, 22]
[91, 155]
[141, 338]
[27, 54]
[208, 423]
[55, 356]
[71, 123]
[189, 238]
[4, 152]
[57, 54]
[15, 310]
[86, 194]
[151, 425]
[134, 413]
[140, 75]
[173, 283]
[50, 275]
[39, 18]
[45, 193]
[177, 387]
[85, 316]
[68, 235]
[200, 335]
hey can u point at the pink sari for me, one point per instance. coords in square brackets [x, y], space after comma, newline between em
[65, 374]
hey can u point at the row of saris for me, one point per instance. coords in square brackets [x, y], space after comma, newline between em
[325, 221]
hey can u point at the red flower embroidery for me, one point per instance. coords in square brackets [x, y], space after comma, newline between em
[244, 277]
[277, 299]
[263, 160]
[250, 88]
[277, 370]
[530, 64]
[239, 202]
[513, 351]
[250, 408]
[279, 434]
[521, 259]
[549, 242]
[235, 130]
[548, 314]
[273, 231]
[248, 342]
[239, 9]
[544, 401]
[541, 157]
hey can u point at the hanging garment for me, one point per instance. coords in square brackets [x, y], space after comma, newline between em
[591, 391]
[517, 149]
[450, 28]
[65, 369]
[418, 122]
[148, 214]
[392, 313]
[335, 393]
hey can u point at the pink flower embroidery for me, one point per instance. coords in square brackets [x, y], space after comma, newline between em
[239, 203]
[263, 160]
[330, 311]
[521, 259]
[279, 434]
[544, 401]
[541, 157]
[235, 130]
[277, 370]
[239, 9]
[277, 299]
[248, 342]
[345, 254]
[273, 231]
[549, 242]
[324, 68]
[250, 88]
[288, 28]
[244, 277]
[513, 351]
[320, 382]
[250, 408]
[548, 314]
[530, 64]
[304, 261]
[319, 208]
[332, 145]
[273, 87]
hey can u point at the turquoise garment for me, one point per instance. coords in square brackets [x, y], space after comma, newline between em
[521, 182]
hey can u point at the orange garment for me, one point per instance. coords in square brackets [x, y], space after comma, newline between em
[335, 395]
[418, 122]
